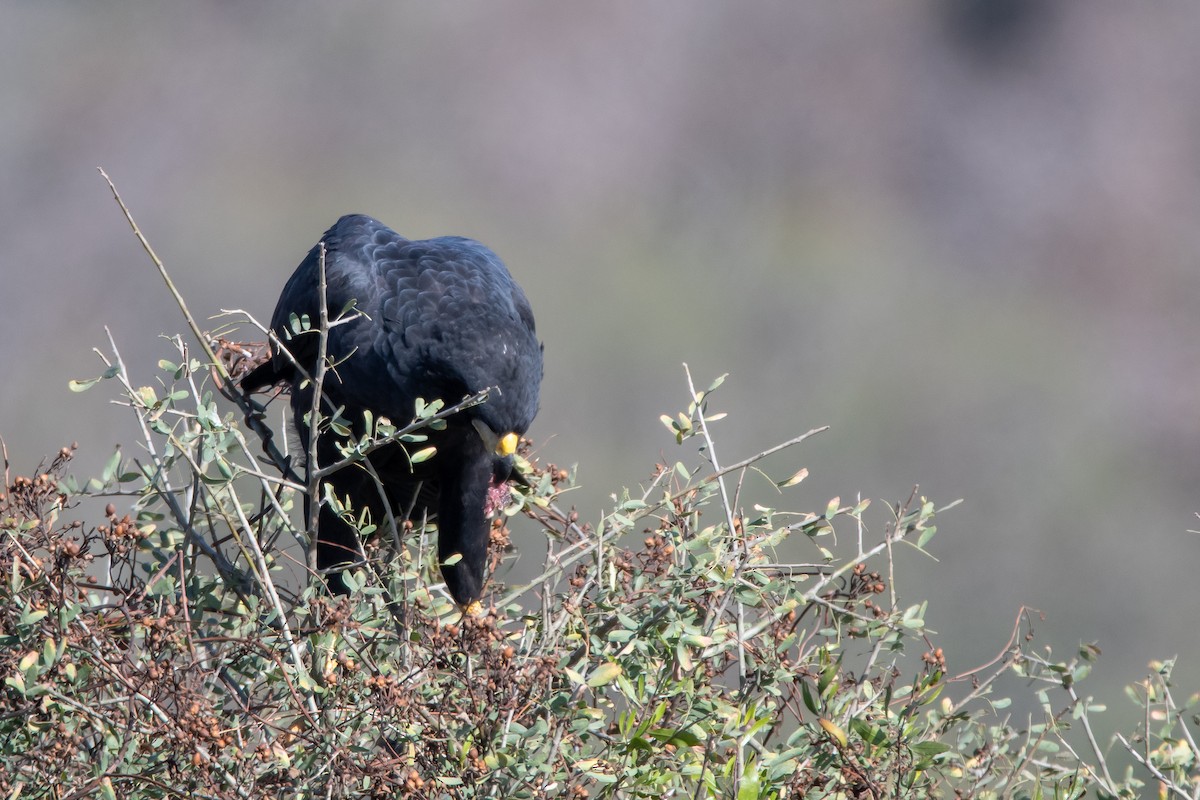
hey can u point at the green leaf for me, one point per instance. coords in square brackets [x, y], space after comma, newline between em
[32, 616]
[49, 652]
[84, 385]
[827, 675]
[833, 730]
[809, 702]
[930, 749]
[750, 787]
[832, 509]
[298, 324]
[147, 395]
[110, 469]
[426, 410]
[604, 674]
[868, 732]
[638, 743]
[796, 478]
[496, 760]
[28, 661]
[422, 455]
[684, 658]
[926, 535]
[683, 737]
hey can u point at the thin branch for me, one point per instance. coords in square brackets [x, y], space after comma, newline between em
[314, 414]
[162, 270]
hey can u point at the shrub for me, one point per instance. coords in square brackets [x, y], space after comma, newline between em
[178, 647]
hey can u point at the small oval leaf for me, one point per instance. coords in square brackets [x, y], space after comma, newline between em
[792, 481]
[422, 455]
[605, 673]
[833, 730]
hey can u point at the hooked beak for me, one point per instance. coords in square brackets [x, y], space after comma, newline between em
[502, 446]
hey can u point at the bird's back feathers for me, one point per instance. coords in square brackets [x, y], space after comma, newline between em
[434, 319]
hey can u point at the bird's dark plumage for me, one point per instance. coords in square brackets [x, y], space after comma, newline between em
[440, 319]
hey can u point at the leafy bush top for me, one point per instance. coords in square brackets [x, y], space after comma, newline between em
[180, 647]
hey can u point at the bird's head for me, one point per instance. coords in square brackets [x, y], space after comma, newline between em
[502, 447]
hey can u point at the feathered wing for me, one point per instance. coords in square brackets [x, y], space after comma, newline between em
[440, 319]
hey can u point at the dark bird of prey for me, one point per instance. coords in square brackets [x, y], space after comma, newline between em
[434, 319]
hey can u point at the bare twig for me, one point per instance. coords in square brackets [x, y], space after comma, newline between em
[314, 413]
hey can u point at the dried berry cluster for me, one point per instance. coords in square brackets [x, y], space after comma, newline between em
[106, 655]
[644, 660]
[90, 658]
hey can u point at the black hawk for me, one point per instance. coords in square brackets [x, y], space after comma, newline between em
[434, 319]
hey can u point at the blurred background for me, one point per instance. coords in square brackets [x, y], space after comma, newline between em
[964, 234]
